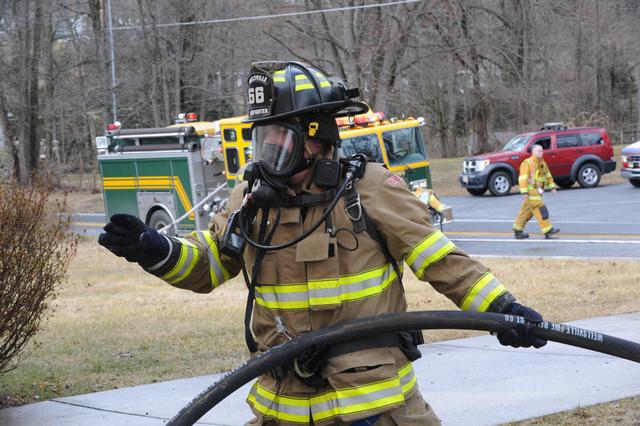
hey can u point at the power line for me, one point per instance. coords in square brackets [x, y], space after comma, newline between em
[279, 15]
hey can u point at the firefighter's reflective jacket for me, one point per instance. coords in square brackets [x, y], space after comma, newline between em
[534, 175]
[304, 288]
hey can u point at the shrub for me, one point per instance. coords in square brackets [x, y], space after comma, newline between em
[36, 248]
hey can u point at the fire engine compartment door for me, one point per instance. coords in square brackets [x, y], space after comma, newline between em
[148, 200]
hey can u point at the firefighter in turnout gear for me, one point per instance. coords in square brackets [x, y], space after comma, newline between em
[323, 241]
[534, 179]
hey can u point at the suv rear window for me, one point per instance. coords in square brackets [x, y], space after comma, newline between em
[591, 138]
[567, 141]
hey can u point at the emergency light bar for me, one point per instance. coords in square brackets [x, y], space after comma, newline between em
[113, 126]
[361, 119]
[183, 118]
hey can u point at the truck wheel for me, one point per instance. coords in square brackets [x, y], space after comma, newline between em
[476, 191]
[159, 219]
[589, 175]
[499, 184]
[635, 182]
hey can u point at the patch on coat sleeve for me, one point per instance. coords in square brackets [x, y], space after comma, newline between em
[394, 180]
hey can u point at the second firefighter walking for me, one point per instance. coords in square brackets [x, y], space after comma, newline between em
[534, 179]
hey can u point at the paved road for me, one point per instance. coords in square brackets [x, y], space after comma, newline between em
[472, 381]
[601, 222]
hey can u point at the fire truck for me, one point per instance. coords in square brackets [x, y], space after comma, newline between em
[176, 178]
[172, 178]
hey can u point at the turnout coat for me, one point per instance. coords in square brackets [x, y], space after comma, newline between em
[310, 286]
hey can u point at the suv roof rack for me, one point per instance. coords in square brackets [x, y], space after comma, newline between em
[554, 126]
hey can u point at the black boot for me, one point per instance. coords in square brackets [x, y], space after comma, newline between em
[519, 235]
[551, 232]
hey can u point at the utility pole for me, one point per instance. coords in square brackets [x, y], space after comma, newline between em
[114, 109]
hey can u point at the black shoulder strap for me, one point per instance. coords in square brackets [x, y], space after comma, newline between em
[304, 200]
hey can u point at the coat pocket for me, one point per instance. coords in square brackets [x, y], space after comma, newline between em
[361, 368]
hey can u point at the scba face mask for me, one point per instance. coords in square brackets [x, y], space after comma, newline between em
[279, 147]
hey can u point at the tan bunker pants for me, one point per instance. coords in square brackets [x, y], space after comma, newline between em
[533, 207]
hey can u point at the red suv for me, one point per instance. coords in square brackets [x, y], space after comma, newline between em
[573, 154]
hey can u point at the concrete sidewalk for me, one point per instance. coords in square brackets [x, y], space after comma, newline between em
[472, 381]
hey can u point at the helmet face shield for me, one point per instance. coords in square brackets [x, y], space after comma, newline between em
[279, 147]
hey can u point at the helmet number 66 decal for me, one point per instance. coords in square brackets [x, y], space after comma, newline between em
[256, 95]
[260, 95]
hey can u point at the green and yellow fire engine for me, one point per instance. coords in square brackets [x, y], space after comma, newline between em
[164, 175]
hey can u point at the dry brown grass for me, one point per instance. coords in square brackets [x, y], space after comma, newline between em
[114, 325]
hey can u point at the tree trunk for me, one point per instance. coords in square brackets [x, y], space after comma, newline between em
[526, 60]
[30, 143]
[96, 15]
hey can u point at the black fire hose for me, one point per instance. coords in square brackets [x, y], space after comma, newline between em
[389, 323]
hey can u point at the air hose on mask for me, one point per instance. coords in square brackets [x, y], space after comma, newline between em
[353, 165]
[391, 323]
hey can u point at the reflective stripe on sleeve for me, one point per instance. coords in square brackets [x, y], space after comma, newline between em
[326, 292]
[482, 293]
[189, 256]
[429, 251]
[217, 273]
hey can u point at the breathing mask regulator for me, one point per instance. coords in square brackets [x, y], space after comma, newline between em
[280, 152]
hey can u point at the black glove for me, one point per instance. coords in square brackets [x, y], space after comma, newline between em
[521, 335]
[127, 236]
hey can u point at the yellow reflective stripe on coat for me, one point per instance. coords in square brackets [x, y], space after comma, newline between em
[303, 83]
[217, 273]
[429, 251]
[482, 293]
[374, 396]
[351, 287]
[279, 407]
[337, 402]
[535, 197]
[333, 291]
[189, 256]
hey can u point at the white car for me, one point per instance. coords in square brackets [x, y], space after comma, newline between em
[631, 164]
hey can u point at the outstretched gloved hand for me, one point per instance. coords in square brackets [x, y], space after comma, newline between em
[521, 335]
[127, 236]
